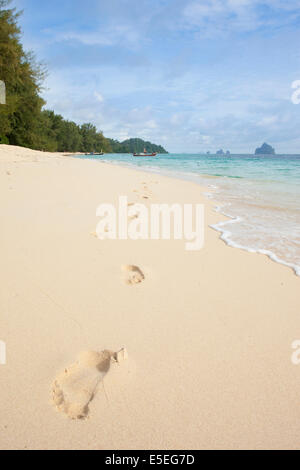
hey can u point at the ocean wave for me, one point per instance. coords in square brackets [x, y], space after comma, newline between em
[227, 234]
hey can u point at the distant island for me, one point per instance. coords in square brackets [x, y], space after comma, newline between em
[221, 152]
[265, 149]
[134, 146]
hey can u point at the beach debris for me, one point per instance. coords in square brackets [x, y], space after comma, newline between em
[132, 217]
[121, 356]
[133, 212]
[95, 234]
[133, 274]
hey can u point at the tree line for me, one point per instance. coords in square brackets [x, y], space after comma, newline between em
[134, 146]
[24, 121]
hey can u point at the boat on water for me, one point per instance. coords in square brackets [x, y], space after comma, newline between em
[145, 154]
[95, 153]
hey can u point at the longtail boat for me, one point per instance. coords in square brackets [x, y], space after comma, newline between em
[145, 154]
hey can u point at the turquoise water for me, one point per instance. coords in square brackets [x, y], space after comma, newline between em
[260, 195]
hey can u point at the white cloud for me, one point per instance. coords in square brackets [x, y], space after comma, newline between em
[220, 16]
[110, 35]
[206, 139]
[268, 121]
[189, 94]
[99, 97]
[152, 124]
[177, 118]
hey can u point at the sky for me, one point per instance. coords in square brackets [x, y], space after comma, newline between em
[191, 75]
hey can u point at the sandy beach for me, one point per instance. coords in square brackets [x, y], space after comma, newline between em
[208, 333]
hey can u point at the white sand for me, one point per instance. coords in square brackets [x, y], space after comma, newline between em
[208, 333]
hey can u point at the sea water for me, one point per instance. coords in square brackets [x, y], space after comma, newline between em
[259, 194]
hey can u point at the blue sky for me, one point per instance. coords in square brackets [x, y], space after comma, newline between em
[192, 75]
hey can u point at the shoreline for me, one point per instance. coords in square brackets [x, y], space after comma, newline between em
[208, 333]
[225, 234]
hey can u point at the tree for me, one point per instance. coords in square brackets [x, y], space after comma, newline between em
[22, 77]
[22, 120]
[135, 146]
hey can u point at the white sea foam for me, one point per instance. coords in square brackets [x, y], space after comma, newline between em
[226, 236]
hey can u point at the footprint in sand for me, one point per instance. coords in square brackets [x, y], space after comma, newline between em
[95, 234]
[133, 217]
[133, 214]
[75, 388]
[132, 275]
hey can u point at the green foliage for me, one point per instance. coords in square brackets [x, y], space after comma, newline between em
[92, 140]
[55, 134]
[22, 76]
[4, 140]
[22, 120]
[135, 146]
